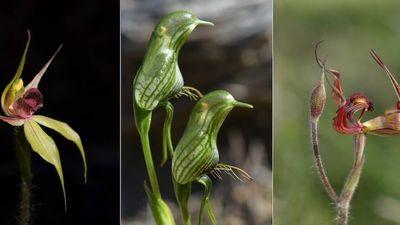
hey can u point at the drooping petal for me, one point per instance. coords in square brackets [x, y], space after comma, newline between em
[9, 94]
[337, 89]
[205, 203]
[44, 145]
[35, 82]
[13, 121]
[66, 131]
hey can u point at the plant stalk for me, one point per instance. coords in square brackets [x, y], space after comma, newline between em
[353, 178]
[24, 160]
[318, 162]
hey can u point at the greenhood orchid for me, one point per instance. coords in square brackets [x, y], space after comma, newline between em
[19, 103]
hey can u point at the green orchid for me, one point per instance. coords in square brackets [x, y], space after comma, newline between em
[20, 102]
[196, 154]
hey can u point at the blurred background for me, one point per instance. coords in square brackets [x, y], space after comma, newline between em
[234, 55]
[350, 29]
[81, 87]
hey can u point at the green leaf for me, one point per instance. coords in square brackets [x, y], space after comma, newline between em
[9, 92]
[161, 212]
[44, 145]
[65, 130]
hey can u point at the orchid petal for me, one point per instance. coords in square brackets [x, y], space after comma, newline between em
[65, 130]
[13, 121]
[35, 82]
[44, 145]
[387, 71]
[8, 95]
[205, 203]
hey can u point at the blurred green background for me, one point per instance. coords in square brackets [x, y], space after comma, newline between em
[350, 29]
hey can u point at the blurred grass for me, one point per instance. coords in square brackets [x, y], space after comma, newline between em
[350, 29]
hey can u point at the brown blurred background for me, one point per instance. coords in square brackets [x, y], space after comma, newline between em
[234, 55]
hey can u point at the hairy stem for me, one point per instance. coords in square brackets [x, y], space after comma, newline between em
[24, 160]
[350, 186]
[318, 162]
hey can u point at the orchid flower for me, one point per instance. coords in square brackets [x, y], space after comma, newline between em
[19, 103]
[389, 122]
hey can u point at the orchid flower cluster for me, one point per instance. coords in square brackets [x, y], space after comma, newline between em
[196, 155]
[348, 120]
[19, 103]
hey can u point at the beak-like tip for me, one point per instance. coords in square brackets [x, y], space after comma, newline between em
[202, 22]
[242, 104]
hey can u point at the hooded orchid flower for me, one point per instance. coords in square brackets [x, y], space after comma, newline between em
[19, 103]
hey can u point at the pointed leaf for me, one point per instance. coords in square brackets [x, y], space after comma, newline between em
[35, 82]
[44, 145]
[161, 212]
[8, 95]
[65, 130]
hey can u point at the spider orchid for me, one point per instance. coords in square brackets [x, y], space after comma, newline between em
[19, 103]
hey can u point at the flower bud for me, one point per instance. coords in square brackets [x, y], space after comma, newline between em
[318, 99]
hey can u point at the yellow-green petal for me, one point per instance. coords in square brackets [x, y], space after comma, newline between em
[65, 130]
[44, 145]
[13, 87]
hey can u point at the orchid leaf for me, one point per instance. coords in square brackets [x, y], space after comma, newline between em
[205, 203]
[44, 145]
[162, 213]
[16, 84]
[35, 82]
[65, 130]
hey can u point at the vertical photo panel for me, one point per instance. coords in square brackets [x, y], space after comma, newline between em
[336, 105]
[196, 112]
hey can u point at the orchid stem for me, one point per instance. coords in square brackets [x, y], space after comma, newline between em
[24, 159]
[350, 186]
[318, 162]
[143, 122]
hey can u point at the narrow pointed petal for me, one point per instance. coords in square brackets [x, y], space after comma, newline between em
[35, 82]
[387, 71]
[66, 131]
[13, 121]
[8, 95]
[206, 23]
[44, 145]
[205, 203]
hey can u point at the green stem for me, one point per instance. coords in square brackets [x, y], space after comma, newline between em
[350, 186]
[24, 160]
[182, 193]
[143, 122]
